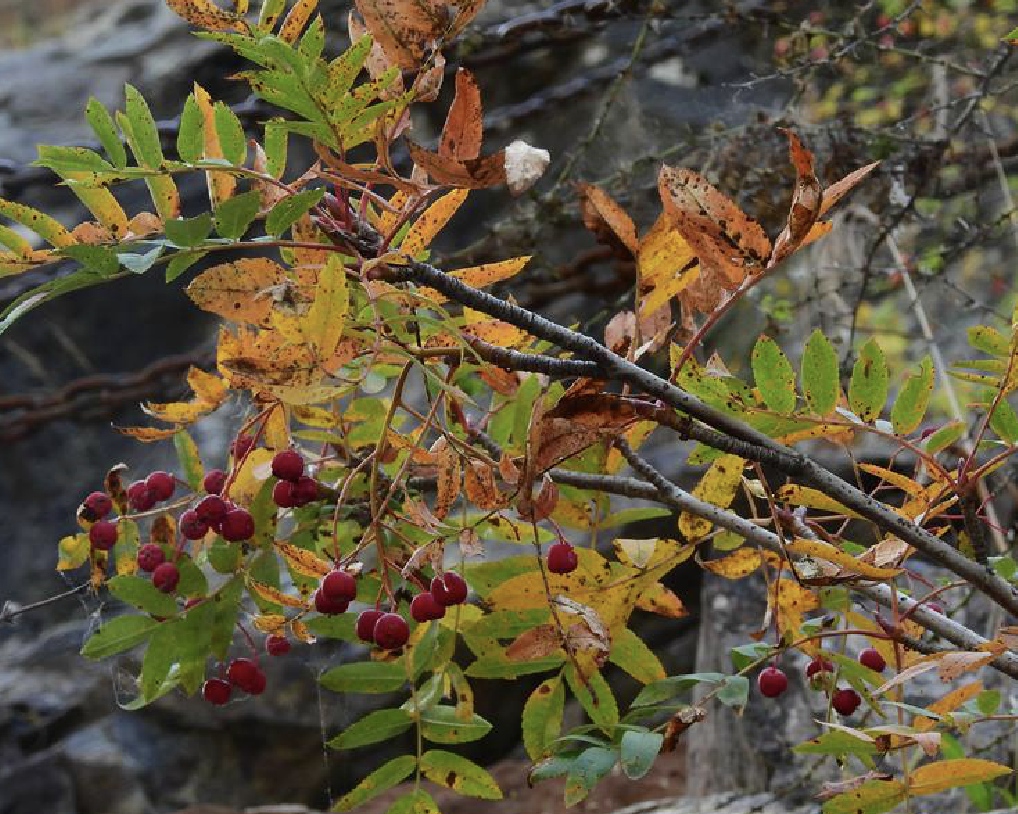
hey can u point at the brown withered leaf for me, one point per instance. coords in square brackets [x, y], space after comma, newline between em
[536, 643]
[408, 30]
[839, 189]
[807, 199]
[469, 173]
[504, 382]
[480, 486]
[952, 665]
[470, 543]
[620, 332]
[464, 125]
[577, 423]
[833, 788]
[113, 485]
[608, 221]
[537, 509]
[448, 480]
[716, 229]
[508, 470]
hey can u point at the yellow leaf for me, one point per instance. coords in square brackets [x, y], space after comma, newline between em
[301, 632]
[221, 184]
[325, 320]
[100, 202]
[789, 603]
[813, 499]
[717, 487]
[43, 225]
[740, 563]
[178, 412]
[826, 551]
[658, 599]
[303, 561]
[148, 434]
[481, 276]
[296, 19]
[390, 218]
[429, 224]
[949, 774]
[253, 473]
[277, 429]
[269, 622]
[662, 265]
[949, 703]
[207, 387]
[72, 551]
[204, 14]
[904, 483]
[274, 595]
[240, 291]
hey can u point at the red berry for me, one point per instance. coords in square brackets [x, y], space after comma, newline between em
[282, 495]
[215, 480]
[328, 606]
[845, 702]
[247, 675]
[97, 505]
[242, 446]
[339, 585]
[140, 496]
[216, 691]
[150, 557]
[818, 665]
[562, 559]
[391, 631]
[870, 657]
[366, 622]
[103, 535]
[211, 509]
[161, 485]
[288, 465]
[238, 525]
[166, 577]
[772, 682]
[455, 588]
[305, 491]
[438, 591]
[425, 607]
[191, 526]
[277, 645]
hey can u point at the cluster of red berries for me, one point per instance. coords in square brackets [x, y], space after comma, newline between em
[157, 487]
[772, 682]
[294, 489]
[244, 674]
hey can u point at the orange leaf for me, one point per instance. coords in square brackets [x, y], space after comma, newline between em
[407, 29]
[607, 220]
[464, 126]
[806, 201]
[240, 291]
[838, 190]
[740, 563]
[274, 595]
[470, 173]
[448, 480]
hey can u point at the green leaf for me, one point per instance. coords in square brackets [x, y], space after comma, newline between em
[190, 134]
[190, 460]
[227, 608]
[186, 232]
[344, 69]
[276, 135]
[668, 688]
[875, 797]
[1004, 422]
[988, 702]
[377, 726]
[269, 13]
[142, 594]
[231, 134]
[639, 751]
[106, 131]
[289, 210]
[366, 676]
[160, 656]
[549, 768]
[509, 624]
[836, 742]
[313, 41]
[595, 697]
[442, 725]
[542, 716]
[820, 374]
[181, 263]
[989, 340]
[140, 263]
[459, 774]
[746, 654]
[629, 652]
[143, 135]
[395, 771]
[734, 691]
[100, 260]
[416, 802]
[117, 635]
[944, 437]
[867, 392]
[910, 406]
[591, 765]
[340, 626]
[192, 580]
[773, 375]
[500, 667]
[71, 159]
[234, 215]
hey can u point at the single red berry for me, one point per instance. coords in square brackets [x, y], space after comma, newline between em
[103, 535]
[424, 607]
[97, 505]
[772, 682]
[216, 691]
[366, 622]
[818, 665]
[242, 446]
[339, 585]
[140, 496]
[161, 485]
[845, 702]
[328, 606]
[191, 526]
[438, 591]
[288, 465]
[211, 509]
[391, 631]
[238, 525]
[282, 494]
[150, 557]
[305, 491]
[215, 480]
[455, 588]
[166, 577]
[257, 686]
[277, 645]
[562, 559]
[870, 657]
[244, 673]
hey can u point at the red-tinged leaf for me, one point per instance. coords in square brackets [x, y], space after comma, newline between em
[472, 173]
[607, 220]
[806, 201]
[535, 643]
[464, 126]
[838, 190]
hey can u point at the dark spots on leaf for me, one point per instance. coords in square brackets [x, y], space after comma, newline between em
[544, 689]
[450, 779]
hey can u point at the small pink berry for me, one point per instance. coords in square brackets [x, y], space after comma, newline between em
[191, 526]
[103, 535]
[166, 577]
[238, 524]
[97, 505]
[215, 480]
[150, 557]
[161, 485]
[288, 465]
[339, 585]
